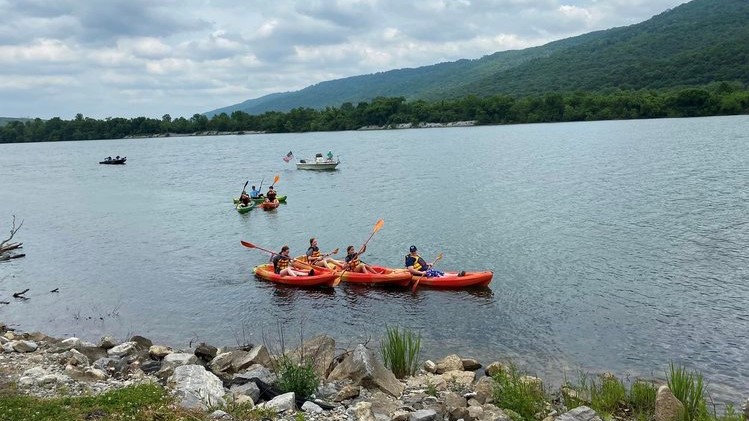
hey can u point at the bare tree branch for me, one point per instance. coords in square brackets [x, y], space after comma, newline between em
[13, 231]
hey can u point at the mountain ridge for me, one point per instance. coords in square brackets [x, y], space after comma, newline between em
[693, 44]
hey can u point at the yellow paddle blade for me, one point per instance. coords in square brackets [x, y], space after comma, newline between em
[439, 257]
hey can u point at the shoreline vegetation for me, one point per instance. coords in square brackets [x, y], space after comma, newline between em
[46, 378]
[715, 99]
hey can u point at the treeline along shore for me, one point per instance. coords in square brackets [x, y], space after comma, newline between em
[47, 378]
[715, 99]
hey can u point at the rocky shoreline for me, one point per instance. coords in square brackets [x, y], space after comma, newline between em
[356, 386]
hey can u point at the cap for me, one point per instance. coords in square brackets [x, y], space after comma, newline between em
[412, 249]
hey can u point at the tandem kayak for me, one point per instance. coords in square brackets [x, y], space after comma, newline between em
[244, 209]
[384, 276]
[452, 280]
[322, 278]
[259, 200]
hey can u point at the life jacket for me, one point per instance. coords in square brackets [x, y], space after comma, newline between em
[271, 196]
[419, 263]
[315, 252]
[353, 260]
[282, 263]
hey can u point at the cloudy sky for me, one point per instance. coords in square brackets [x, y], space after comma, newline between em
[129, 58]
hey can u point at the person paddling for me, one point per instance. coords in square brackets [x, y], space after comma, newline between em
[353, 264]
[315, 258]
[244, 198]
[271, 195]
[255, 193]
[282, 264]
[418, 266]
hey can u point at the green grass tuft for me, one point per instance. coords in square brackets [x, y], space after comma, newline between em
[689, 388]
[299, 378]
[512, 391]
[400, 351]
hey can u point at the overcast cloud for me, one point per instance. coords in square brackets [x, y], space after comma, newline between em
[129, 58]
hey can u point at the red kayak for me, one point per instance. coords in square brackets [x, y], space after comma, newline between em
[452, 280]
[270, 205]
[384, 276]
[321, 278]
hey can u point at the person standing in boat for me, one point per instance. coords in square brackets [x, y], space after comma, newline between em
[282, 264]
[418, 266]
[330, 155]
[353, 263]
[315, 258]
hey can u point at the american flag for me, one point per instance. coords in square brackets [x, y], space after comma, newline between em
[289, 156]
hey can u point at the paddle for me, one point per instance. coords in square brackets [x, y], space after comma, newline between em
[240, 194]
[416, 284]
[252, 246]
[376, 228]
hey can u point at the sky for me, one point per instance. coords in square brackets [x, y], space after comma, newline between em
[131, 58]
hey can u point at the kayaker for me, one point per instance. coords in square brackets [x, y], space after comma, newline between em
[353, 263]
[282, 264]
[244, 198]
[314, 257]
[271, 195]
[418, 266]
[255, 193]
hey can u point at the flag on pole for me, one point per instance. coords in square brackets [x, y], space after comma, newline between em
[289, 156]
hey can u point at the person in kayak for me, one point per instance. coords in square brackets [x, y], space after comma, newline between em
[271, 195]
[255, 193]
[244, 198]
[282, 264]
[418, 266]
[353, 263]
[315, 258]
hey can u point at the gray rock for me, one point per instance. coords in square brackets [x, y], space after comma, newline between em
[362, 411]
[244, 359]
[364, 369]
[449, 363]
[195, 387]
[400, 415]
[470, 364]
[495, 368]
[423, 415]
[258, 371]
[24, 346]
[453, 400]
[74, 357]
[248, 389]
[311, 407]
[320, 350]
[108, 342]
[71, 343]
[179, 358]
[206, 352]
[484, 389]
[430, 366]
[143, 343]
[285, 402]
[581, 413]
[150, 367]
[122, 349]
[221, 362]
[159, 351]
[349, 391]
[93, 353]
[220, 415]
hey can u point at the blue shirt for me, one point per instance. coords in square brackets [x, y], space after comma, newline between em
[254, 193]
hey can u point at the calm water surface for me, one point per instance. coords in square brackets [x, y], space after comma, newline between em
[616, 246]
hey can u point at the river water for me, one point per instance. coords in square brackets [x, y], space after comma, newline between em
[616, 246]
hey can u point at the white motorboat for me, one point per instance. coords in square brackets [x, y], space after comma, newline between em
[319, 163]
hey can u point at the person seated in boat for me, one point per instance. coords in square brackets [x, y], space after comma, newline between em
[282, 265]
[255, 193]
[418, 266]
[353, 263]
[117, 158]
[109, 158]
[271, 195]
[315, 258]
[244, 198]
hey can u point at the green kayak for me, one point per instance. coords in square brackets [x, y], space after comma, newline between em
[245, 209]
[258, 200]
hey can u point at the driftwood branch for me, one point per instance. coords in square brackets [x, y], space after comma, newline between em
[5, 246]
[20, 294]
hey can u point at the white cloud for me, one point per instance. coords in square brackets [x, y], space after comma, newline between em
[151, 57]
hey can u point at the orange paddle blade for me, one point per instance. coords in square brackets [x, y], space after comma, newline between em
[248, 244]
[378, 225]
[276, 178]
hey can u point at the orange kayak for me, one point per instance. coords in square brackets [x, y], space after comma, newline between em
[384, 276]
[452, 280]
[321, 278]
[270, 205]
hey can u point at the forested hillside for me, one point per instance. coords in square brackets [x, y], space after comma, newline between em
[697, 43]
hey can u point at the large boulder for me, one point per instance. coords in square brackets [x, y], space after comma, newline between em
[196, 388]
[364, 369]
[320, 350]
[243, 359]
[581, 413]
[450, 363]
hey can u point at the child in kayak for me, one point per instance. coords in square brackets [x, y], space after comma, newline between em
[315, 258]
[353, 263]
[282, 264]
